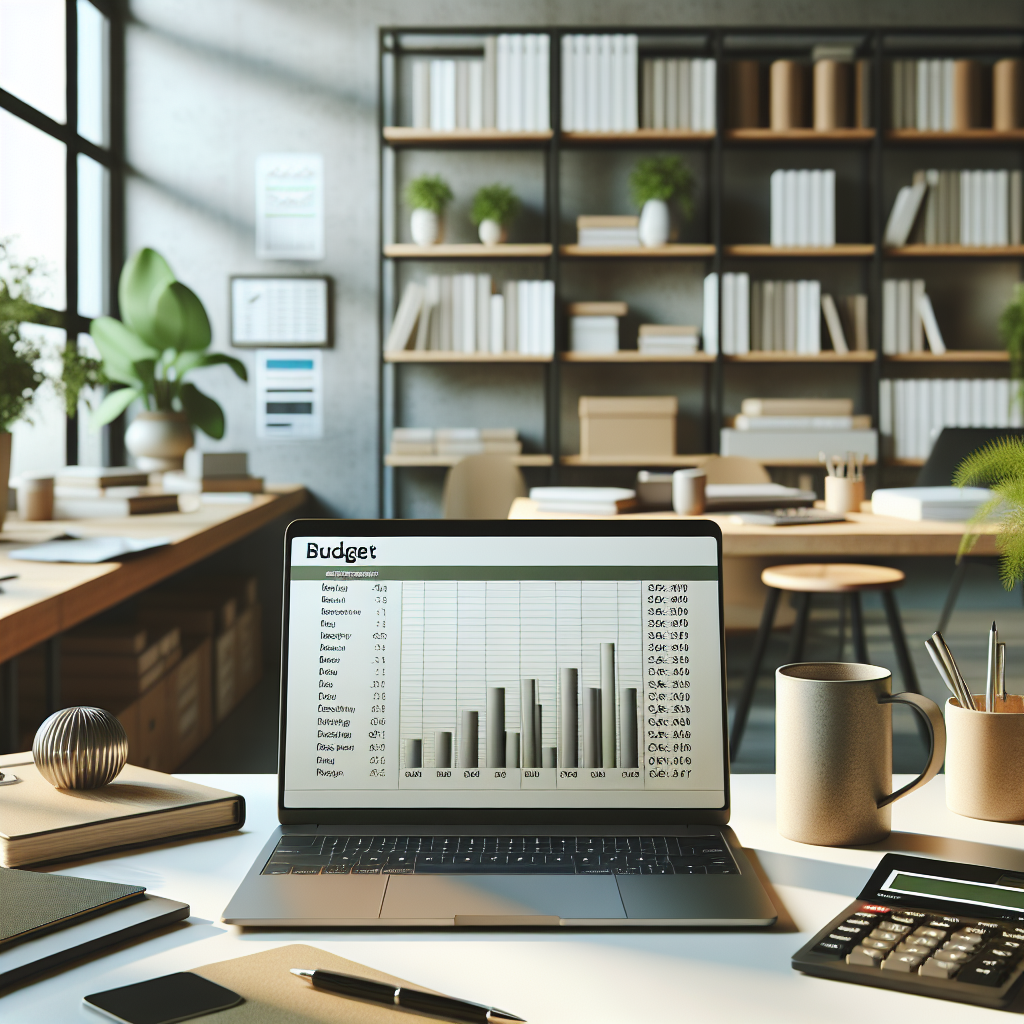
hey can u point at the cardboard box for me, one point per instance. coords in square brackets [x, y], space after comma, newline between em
[628, 427]
[225, 674]
[151, 743]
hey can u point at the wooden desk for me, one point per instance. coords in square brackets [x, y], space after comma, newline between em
[48, 599]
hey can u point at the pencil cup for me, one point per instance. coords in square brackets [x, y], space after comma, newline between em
[35, 497]
[843, 494]
[688, 491]
[985, 760]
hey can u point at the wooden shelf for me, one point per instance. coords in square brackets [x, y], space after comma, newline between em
[632, 356]
[487, 136]
[846, 250]
[968, 135]
[955, 251]
[640, 135]
[431, 356]
[674, 461]
[800, 135]
[468, 250]
[905, 462]
[801, 357]
[963, 355]
[442, 461]
[639, 252]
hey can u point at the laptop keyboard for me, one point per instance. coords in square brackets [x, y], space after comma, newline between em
[501, 855]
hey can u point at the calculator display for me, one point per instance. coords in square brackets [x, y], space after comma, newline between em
[955, 889]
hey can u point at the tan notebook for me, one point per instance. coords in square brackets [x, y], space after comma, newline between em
[274, 996]
[39, 824]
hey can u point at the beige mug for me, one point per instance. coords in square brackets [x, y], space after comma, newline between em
[688, 490]
[985, 760]
[833, 751]
[35, 496]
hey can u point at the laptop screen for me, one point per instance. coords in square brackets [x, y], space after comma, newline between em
[470, 665]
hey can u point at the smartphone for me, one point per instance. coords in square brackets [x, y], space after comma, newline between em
[164, 1000]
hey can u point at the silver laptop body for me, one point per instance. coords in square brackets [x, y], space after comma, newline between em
[501, 723]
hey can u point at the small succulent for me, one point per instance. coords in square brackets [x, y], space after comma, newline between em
[428, 192]
[665, 178]
[494, 202]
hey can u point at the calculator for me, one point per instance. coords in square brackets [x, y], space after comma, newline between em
[952, 931]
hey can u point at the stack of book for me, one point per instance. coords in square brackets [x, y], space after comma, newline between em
[667, 340]
[455, 441]
[599, 81]
[594, 326]
[911, 413]
[596, 231]
[460, 313]
[908, 319]
[785, 316]
[679, 93]
[594, 501]
[792, 429]
[507, 90]
[947, 95]
[735, 332]
[948, 504]
[213, 472]
[981, 208]
[803, 208]
[88, 492]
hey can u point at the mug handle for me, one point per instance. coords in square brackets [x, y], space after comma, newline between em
[929, 711]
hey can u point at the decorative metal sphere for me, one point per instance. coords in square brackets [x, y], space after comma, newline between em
[80, 748]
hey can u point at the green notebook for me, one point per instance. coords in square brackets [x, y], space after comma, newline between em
[35, 903]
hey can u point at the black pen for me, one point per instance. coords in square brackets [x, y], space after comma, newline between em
[444, 1007]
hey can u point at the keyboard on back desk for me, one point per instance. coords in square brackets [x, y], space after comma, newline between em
[547, 855]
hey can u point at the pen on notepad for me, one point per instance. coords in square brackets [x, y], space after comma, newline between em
[425, 1003]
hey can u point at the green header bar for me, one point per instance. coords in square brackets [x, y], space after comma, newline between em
[342, 573]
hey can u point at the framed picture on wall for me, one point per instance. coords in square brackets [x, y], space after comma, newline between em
[276, 312]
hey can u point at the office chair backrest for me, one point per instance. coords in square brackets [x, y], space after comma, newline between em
[952, 446]
[482, 487]
[734, 469]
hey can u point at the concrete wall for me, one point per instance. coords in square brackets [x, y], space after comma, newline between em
[211, 85]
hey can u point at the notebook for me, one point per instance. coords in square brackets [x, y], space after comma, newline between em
[39, 824]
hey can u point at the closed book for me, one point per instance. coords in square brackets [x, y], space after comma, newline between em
[631, 107]
[497, 327]
[100, 476]
[413, 448]
[904, 316]
[742, 422]
[890, 313]
[177, 482]
[856, 309]
[709, 329]
[744, 93]
[113, 507]
[421, 94]
[490, 82]
[592, 500]
[862, 94]
[668, 330]
[462, 94]
[476, 95]
[729, 314]
[598, 309]
[577, 508]
[413, 435]
[405, 318]
[1015, 211]
[710, 93]
[916, 327]
[786, 95]
[797, 407]
[683, 345]
[658, 98]
[966, 111]
[40, 824]
[797, 444]
[831, 94]
[697, 105]
[930, 325]
[1007, 80]
[200, 464]
[833, 323]
[510, 290]
[954, 504]
[904, 213]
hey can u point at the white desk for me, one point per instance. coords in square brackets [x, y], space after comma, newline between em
[603, 977]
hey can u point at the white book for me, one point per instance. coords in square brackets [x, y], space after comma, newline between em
[729, 314]
[568, 80]
[768, 316]
[797, 444]
[449, 101]
[483, 313]
[510, 292]
[989, 205]
[903, 214]
[523, 81]
[916, 326]
[935, 91]
[1002, 188]
[776, 190]
[978, 206]
[791, 313]
[530, 74]
[710, 94]
[833, 323]
[537, 315]
[1002, 402]
[426, 328]
[949, 400]
[458, 309]
[929, 324]
[790, 200]
[803, 207]
[543, 115]
[923, 122]
[828, 215]
[947, 95]
[618, 87]
[977, 403]
[953, 504]
[444, 315]
[658, 97]
[965, 207]
[496, 331]
[899, 403]
[889, 307]
[1015, 208]
[604, 78]
[632, 106]
[683, 100]
[697, 96]
[885, 415]
[937, 409]
[421, 94]
[814, 317]
[461, 94]
[816, 225]
[742, 323]
[490, 116]
[990, 403]
[405, 318]
[904, 316]
[592, 91]
[709, 328]
[436, 95]
[549, 317]
[671, 93]
[963, 402]
[922, 426]
[526, 341]
[476, 95]
[801, 318]
[579, 84]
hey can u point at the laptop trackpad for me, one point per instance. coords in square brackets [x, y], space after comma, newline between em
[501, 899]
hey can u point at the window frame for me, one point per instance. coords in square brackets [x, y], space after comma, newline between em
[112, 158]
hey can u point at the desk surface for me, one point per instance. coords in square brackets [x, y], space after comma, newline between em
[863, 535]
[47, 599]
[555, 977]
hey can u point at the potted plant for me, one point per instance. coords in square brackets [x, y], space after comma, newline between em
[427, 196]
[494, 209]
[655, 182]
[163, 338]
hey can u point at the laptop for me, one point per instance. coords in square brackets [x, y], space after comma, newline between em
[499, 724]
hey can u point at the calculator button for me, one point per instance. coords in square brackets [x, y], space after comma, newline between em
[852, 930]
[943, 922]
[929, 933]
[1011, 944]
[916, 915]
[874, 908]
[965, 935]
[914, 948]
[903, 919]
[899, 929]
[904, 962]
[878, 944]
[866, 914]
[952, 956]
[991, 977]
[961, 947]
[938, 969]
[1008, 956]
[862, 956]
[885, 935]
[971, 929]
[832, 946]
[922, 940]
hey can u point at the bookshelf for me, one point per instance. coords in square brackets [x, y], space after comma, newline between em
[571, 172]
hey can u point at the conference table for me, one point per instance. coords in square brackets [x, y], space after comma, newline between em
[607, 976]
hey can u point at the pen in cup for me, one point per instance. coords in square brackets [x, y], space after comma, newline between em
[940, 667]
[964, 698]
[1001, 671]
[990, 674]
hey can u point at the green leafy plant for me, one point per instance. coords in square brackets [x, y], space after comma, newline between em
[663, 177]
[999, 466]
[78, 372]
[164, 336]
[428, 192]
[494, 202]
[1011, 330]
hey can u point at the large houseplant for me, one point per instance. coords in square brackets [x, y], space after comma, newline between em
[163, 337]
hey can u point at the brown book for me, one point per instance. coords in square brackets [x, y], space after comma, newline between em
[966, 95]
[855, 320]
[797, 407]
[99, 476]
[40, 824]
[1006, 94]
[786, 95]
[601, 220]
[744, 94]
[598, 309]
[862, 94]
[113, 506]
[831, 94]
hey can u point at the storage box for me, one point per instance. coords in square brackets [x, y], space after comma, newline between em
[250, 648]
[628, 427]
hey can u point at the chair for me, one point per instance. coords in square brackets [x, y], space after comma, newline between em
[849, 582]
[482, 487]
[951, 447]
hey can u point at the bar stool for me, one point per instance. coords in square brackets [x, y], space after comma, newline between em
[849, 582]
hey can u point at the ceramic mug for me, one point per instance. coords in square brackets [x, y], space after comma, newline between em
[688, 491]
[833, 751]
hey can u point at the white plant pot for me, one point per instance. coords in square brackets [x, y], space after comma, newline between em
[159, 440]
[425, 227]
[655, 223]
[491, 232]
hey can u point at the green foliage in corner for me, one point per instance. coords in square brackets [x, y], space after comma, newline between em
[663, 177]
[1011, 330]
[428, 192]
[494, 202]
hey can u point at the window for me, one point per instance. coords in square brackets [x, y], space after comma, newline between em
[61, 187]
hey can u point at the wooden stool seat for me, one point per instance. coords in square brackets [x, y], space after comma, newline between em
[834, 578]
